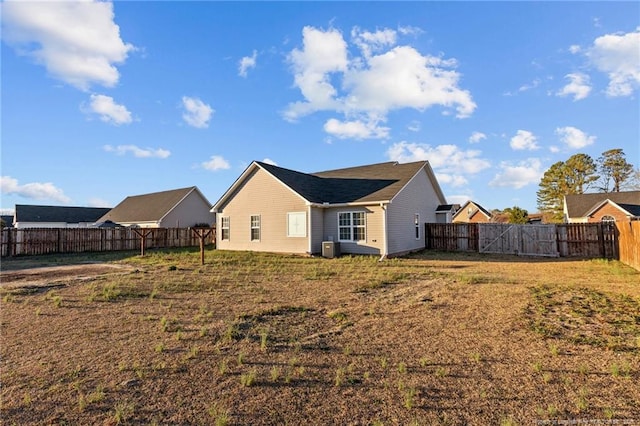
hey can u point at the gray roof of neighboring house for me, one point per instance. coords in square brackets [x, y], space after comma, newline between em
[32, 213]
[578, 205]
[448, 207]
[148, 207]
[371, 183]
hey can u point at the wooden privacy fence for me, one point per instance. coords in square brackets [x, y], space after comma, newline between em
[629, 243]
[556, 240]
[34, 241]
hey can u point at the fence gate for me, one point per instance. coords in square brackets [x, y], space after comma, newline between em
[523, 240]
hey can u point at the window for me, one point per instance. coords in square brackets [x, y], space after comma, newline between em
[297, 224]
[351, 226]
[225, 227]
[608, 219]
[416, 221]
[255, 228]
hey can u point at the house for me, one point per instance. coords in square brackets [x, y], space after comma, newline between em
[445, 212]
[471, 212]
[602, 207]
[378, 209]
[177, 208]
[33, 216]
[7, 220]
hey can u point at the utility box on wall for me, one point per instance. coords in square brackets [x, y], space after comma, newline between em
[330, 249]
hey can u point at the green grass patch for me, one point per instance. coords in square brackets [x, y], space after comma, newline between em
[585, 316]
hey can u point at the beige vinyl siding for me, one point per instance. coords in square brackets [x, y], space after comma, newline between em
[374, 242]
[417, 197]
[261, 194]
[190, 211]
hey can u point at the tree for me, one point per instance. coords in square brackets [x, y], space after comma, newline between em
[517, 214]
[573, 176]
[614, 169]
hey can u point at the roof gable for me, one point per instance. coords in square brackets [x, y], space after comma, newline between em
[149, 207]
[472, 205]
[58, 214]
[581, 205]
[363, 184]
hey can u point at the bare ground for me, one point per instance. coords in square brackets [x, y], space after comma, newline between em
[430, 339]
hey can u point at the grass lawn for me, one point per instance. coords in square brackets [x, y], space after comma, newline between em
[264, 339]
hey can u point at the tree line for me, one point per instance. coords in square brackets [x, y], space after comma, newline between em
[611, 172]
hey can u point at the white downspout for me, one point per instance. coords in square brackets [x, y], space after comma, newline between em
[385, 242]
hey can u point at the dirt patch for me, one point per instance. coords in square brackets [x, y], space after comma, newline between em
[259, 339]
[56, 276]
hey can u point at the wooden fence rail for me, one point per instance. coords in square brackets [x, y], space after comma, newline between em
[34, 241]
[588, 240]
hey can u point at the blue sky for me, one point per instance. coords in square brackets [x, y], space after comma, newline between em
[104, 100]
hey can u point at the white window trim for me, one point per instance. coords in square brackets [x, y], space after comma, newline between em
[303, 234]
[259, 228]
[352, 226]
[222, 228]
[416, 221]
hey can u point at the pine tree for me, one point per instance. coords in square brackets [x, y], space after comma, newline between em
[573, 176]
[614, 169]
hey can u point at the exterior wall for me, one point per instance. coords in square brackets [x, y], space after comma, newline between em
[374, 242]
[142, 224]
[22, 225]
[608, 210]
[261, 194]
[190, 211]
[317, 230]
[418, 196]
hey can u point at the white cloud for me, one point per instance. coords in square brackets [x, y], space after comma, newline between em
[355, 129]
[554, 149]
[414, 126]
[518, 175]
[574, 48]
[369, 42]
[197, 113]
[98, 202]
[34, 190]
[579, 86]
[618, 55]
[528, 86]
[477, 137]
[524, 140]
[574, 138]
[77, 42]
[450, 163]
[269, 161]
[138, 152]
[109, 111]
[459, 198]
[385, 78]
[216, 163]
[246, 63]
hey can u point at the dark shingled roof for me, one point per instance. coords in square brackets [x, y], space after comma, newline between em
[30, 213]
[146, 207]
[448, 207]
[372, 183]
[578, 205]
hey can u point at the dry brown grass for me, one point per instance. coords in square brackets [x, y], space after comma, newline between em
[253, 338]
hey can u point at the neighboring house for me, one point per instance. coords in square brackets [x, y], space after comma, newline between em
[178, 208]
[471, 212]
[30, 216]
[445, 212]
[7, 220]
[378, 209]
[602, 207]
